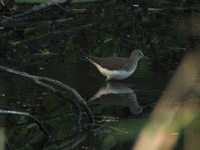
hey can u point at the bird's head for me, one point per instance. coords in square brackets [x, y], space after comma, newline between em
[137, 54]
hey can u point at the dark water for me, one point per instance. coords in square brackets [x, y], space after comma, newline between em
[121, 108]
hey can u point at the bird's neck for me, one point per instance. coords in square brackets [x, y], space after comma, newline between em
[133, 63]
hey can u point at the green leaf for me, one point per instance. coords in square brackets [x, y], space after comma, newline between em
[44, 53]
[145, 19]
[155, 40]
[155, 9]
[102, 13]
[16, 42]
[107, 40]
[81, 27]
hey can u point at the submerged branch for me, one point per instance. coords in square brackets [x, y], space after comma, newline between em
[40, 81]
[13, 112]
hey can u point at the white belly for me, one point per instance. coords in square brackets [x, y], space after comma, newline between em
[114, 74]
[119, 74]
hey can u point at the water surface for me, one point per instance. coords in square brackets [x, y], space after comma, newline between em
[121, 108]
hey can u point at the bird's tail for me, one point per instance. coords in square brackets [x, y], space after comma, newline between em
[85, 57]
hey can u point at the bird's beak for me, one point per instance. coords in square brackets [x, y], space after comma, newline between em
[143, 56]
[146, 57]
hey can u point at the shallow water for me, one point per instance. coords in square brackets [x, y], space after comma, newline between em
[121, 108]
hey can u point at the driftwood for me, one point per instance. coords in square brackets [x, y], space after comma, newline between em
[43, 81]
[23, 16]
[34, 9]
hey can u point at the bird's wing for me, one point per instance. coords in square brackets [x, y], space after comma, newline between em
[111, 63]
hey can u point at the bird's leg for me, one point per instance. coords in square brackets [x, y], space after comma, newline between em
[108, 78]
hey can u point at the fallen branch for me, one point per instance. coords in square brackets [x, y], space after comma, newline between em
[34, 9]
[79, 101]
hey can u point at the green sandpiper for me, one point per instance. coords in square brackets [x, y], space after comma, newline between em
[117, 68]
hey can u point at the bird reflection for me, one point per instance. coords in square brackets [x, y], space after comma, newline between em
[117, 94]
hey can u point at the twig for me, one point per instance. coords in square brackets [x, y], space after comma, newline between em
[34, 9]
[40, 81]
[76, 142]
[13, 112]
[106, 126]
[64, 142]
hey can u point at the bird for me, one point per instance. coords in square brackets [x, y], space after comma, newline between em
[117, 93]
[117, 68]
